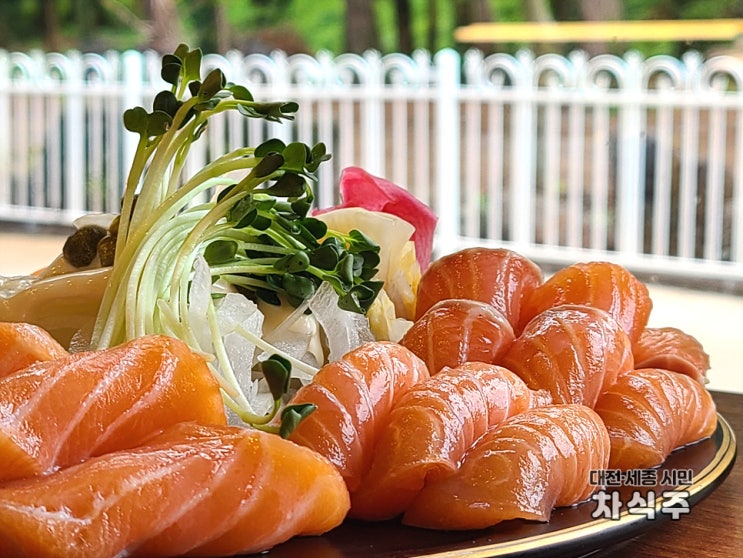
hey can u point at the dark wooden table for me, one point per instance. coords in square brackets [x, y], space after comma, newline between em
[714, 528]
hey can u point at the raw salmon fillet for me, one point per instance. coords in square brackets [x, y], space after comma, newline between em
[604, 285]
[650, 412]
[205, 490]
[573, 351]
[671, 349]
[431, 428]
[23, 344]
[59, 412]
[497, 276]
[455, 331]
[523, 468]
[354, 396]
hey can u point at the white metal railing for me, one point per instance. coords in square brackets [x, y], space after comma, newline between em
[562, 158]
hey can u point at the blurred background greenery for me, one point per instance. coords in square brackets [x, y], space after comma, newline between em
[312, 25]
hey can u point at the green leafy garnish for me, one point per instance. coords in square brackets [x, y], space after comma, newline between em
[256, 234]
[292, 415]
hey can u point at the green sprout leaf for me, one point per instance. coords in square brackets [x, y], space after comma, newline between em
[244, 214]
[318, 154]
[288, 185]
[273, 112]
[166, 102]
[344, 269]
[326, 257]
[212, 84]
[268, 296]
[193, 87]
[361, 242]
[158, 123]
[293, 263]
[274, 145]
[371, 258]
[301, 206]
[220, 251]
[298, 286]
[296, 155]
[261, 223]
[181, 51]
[289, 108]
[135, 120]
[269, 164]
[171, 68]
[191, 64]
[317, 228]
[239, 92]
[277, 372]
[360, 297]
[292, 415]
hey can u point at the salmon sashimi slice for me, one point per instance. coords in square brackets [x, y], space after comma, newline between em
[605, 285]
[353, 397]
[455, 331]
[497, 276]
[671, 349]
[573, 351]
[210, 490]
[59, 412]
[23, 344]
[523, 468]
[650, 412]
[431, 428]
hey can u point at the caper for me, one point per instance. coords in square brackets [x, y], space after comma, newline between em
[80, 248]
[113, 228]
[107, 250]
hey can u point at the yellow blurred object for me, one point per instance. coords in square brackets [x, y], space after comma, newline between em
[402, 283]
[383, 320]
[398, 266]
[65, 305]
[380, 314]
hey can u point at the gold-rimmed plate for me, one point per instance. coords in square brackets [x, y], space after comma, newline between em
[571, 532]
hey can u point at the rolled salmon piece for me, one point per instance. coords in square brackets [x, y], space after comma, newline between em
[672, 349]
[650, 412]
[497, 276]
[573, 351]
[354, 397]
[523, 468]
[23, 344]
[605, 285]
[431, 428]
[455, 331]
[57, 413]
[206, 490]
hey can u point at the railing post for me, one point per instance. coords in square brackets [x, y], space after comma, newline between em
[631, 146]
[5, 163]
[280, 90]
[373, 120]
[74, 135]
[447, 202]
[132, 79]
[523, 151]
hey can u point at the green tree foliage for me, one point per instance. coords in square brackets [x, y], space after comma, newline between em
[304, 25]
